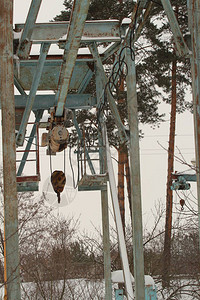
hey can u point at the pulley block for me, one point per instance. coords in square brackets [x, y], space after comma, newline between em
[58, 181]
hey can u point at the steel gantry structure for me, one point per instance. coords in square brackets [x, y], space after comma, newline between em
[68, 76]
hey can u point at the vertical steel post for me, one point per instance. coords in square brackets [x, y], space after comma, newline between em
[104, 205]
[118, 220]
[194, 26]
[135, 179]
[12, 274]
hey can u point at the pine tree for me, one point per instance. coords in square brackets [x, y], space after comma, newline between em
[154, 58]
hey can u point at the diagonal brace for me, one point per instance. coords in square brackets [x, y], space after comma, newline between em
[112, 104]
[31, 97]
[29, 143]
[74, 35]
[19, 86]
[178, 37]
[25, 43]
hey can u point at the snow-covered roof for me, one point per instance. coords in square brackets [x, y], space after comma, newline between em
[126, 21]
[118, 277]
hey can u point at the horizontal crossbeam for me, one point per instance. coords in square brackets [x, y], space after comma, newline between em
[50, 75]
[76, 101]
[101, 29]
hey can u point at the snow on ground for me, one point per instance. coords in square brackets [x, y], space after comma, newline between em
[81, 289]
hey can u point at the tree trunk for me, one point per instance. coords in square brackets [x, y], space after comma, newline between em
[121, 162]
[121, 184]
[169, 197]
[128, 178]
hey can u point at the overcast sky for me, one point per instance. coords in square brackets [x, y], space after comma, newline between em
[48, 10]
[153, 157]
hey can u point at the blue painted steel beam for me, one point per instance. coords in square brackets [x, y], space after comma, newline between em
[43, 53]
[112, 104]
[194, 21]
[54, 31]
[51, 71]
[80, 138]
[25, 41]
[110, 51]
[104, 203]
[29, 142]
[132, 106]
[187, 177]
[74, 101]
[177, 34]
[74, 35]
[19, 86]
[85, 81]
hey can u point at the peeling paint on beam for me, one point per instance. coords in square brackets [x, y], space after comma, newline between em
[177, 34]
[50, 75]
[74, 101]
[79, 14]
[25, 41]
[56, 30]
[31, 97]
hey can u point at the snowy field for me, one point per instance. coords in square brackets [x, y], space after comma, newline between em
[81, 289]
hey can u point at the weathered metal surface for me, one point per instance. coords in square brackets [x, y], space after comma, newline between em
[11, 243]
[25, 41]
[106, 244]
[114, 47]
[80, 101]
[118, 221]
[29, 144]
[104, 203]
[28, 178]
[19, 111]
[79, 14]
[180, 184]
[28, 186]
[150, 293]
[119, 294]
[135, 178]
[93, 182]
[188, 177]
[194, 26]
[177, 34]
[18, 86]
[101, 29]
[50, 75]
[31, 97]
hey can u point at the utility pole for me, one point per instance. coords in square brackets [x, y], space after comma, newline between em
[104, 203]
[11, 251]
[194, 27]
[135, 178]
